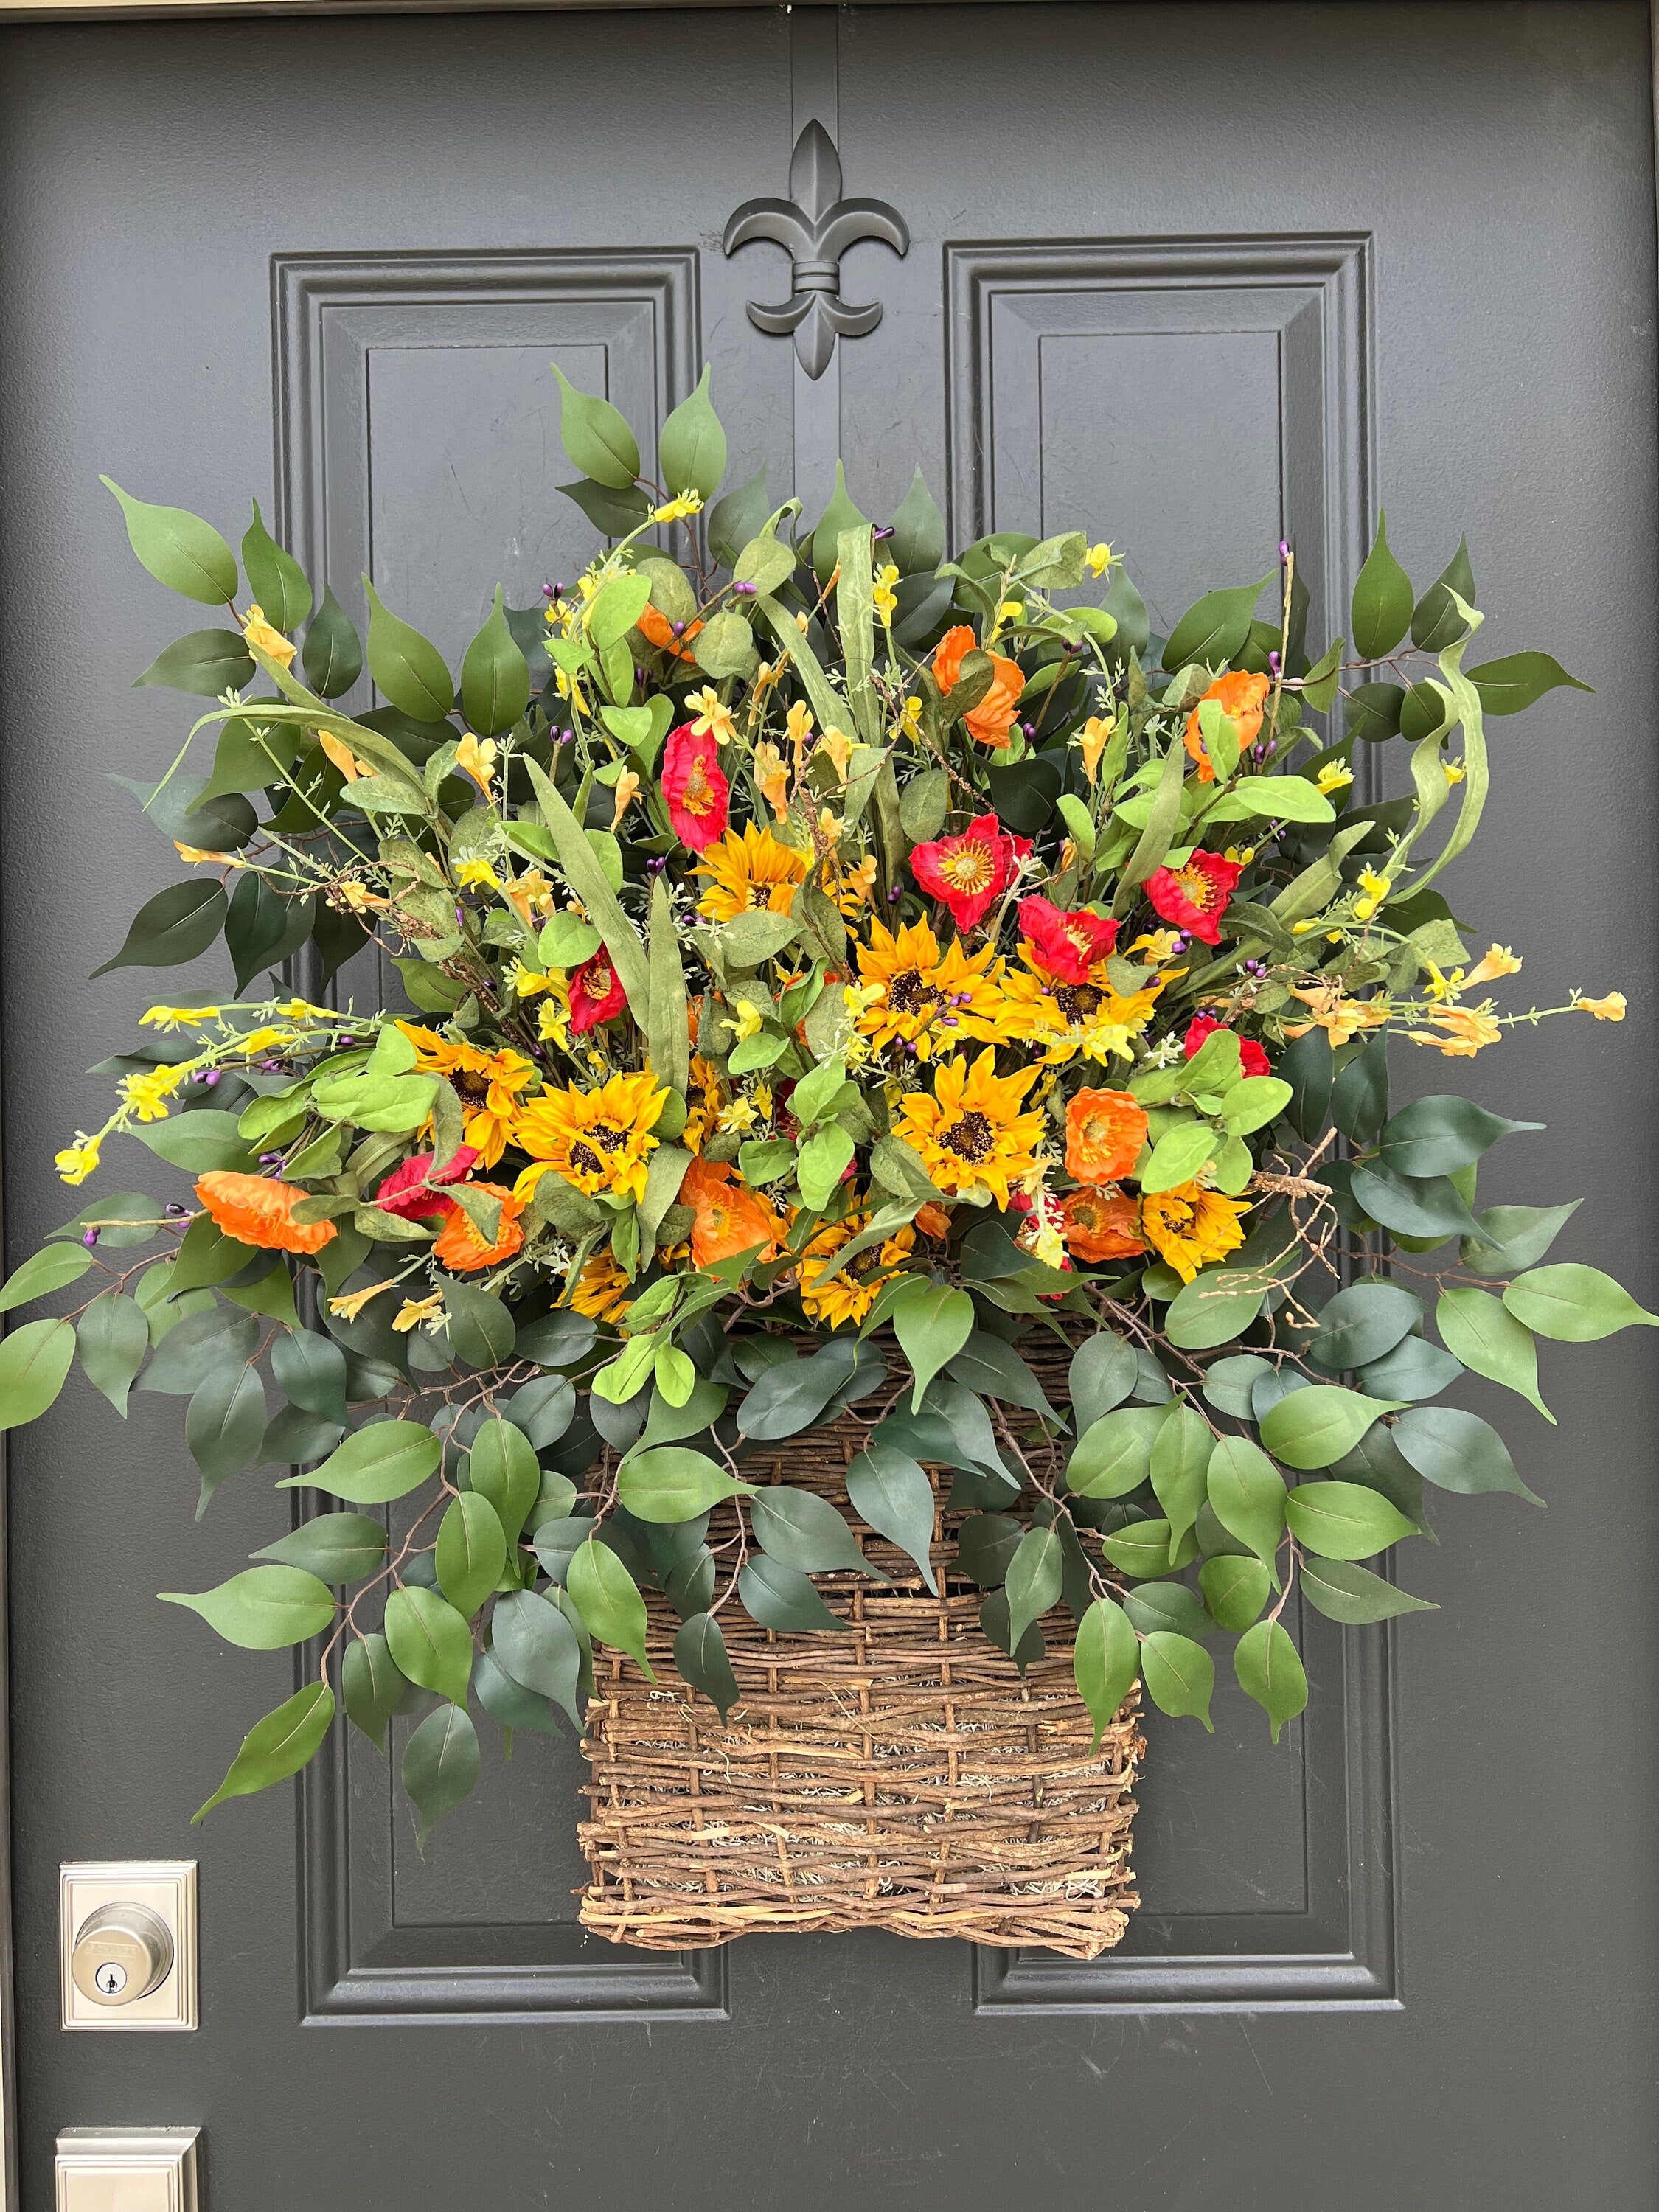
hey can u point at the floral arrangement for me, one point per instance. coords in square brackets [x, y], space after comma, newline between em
[831, 966]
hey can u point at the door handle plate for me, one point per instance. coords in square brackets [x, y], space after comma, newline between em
[127, 2170]
[138, 1917]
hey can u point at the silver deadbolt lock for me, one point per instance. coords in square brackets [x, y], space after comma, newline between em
[122, 1953]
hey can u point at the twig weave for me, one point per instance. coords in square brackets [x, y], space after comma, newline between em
[902, 1776]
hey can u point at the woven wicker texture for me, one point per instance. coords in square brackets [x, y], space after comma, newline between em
[901, 1775]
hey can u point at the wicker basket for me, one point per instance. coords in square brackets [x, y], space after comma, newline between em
[902, 1776]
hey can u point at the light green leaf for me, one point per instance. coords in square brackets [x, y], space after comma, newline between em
[670, 1484]
[277, 1746]
[1382, 603]
[1343, 1520]
[262, 1609]
[494, 678]
[1105, 1661]
[1179, 1676]
[1574, 1304]
[34, 1361]
[385, 1461]
[1476, 1328]
[1269, 1669]
[692, 445]
[471, 1553]
[1353, 1594]
[52, 1268]
[596, 436]
[610, 1603]
[430, 1641]
[1180, 1462]
[1315, 1427]
[408, 669]
[931, 1327]
[178, 549]
[1247, 1494]
[441, 1766]
[704, 1663]
[1035, 1578]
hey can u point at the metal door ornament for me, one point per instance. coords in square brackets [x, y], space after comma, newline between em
[815, 228]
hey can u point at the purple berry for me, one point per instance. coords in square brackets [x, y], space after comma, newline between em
[1283, 550]
[90, 1238]
[1272, 663]
[213, 1076]
[173, 1207]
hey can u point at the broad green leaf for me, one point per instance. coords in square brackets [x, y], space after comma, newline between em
[336, 1548]
[1168, 1605]
[262, 1609]
[51, 1268]
[333, 655]
[1436, 623]
[1103, 1372]
[274, 579]
[671, 1484]
[1235, 1587]
[1361, 1324]
[198, 1141]
[932, 1328]
[606, 1597]
[1178, 1156]
[310, 1370]
[1140, 1548]
[494, 678]
[177, 925]
[408, 669]
[792, 1394]
[113, 1335]
[1313, 1427]
[1514, 1237]
[440, 1765]
[596, 436]
[1253, 1101]
[1105, 1661]
[1179, 1676]
[537, 1648]
[1479, 1329]
[1353, 1594]
[1519, 680]
[992, 1369]
[225, 1426]
[1382, 603]
[193, 1347]
[178, 549]
[471, 1551]
[277, 1746]
[916, 544]
[1228, 1383]
[429, 1641]
[206, 663]
[1436, 1136]
[1343, 1520]
[783, 1598]
[1269, 1669]
[802, 1530]
[1247, 1495]
[1457, 1451]
[1213, 629]
[34, 1362]
[502, 1466]
[481, 1329]
[701, 1657]
[1204, 1313]
[385, 1461]
[692, 445]
[1033, 1580]
[1574, 1304]
[372, 1688]
[892, 1492]
[1180, 1462]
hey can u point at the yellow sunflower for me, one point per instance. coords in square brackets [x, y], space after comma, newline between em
[489, 1084]
[1068, 1019]
[929, 1000]
[971, 1134]
[850, 1295]
[602, 1290]
[750, 869]
[1189, 1227]
[597, 1140]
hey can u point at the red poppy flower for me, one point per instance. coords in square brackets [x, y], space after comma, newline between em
[402, 1193]
[1195, 896]
[1063, 945]
[596, 992]
[969, 871]
[697, 794]
[1252, 1058]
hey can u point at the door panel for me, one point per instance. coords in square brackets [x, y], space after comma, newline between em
[1199, 278]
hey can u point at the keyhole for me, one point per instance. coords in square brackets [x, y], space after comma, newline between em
[111, 1979]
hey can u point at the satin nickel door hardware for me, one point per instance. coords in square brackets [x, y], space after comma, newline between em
[127, 2170]
[128, 1943]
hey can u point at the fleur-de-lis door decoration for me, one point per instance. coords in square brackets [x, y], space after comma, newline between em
[815, 228]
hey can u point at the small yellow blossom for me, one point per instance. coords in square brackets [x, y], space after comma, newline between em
[739, 1115]
[761, 1095]
[1098, 559]
[687, 503]
[477, 758]
[350, 1304]
[911, 717]
[1374, 889]
[1467, 1030]
[1011, 610]
[1610, 1009]
[747, 1022]
[269, 639]
[415, 1312]
[839, 747]
[553, 1024]
[710, 712]
[177, 1018]
[193, 856]
[772, 779]
[526, 982]
[1453, 771]
[79, 1160]
[628, 790]
[798, 724]
[829, 827]
[1335, 775]
[1241, 854]
[337, 750]
[802, 624]
[1094, 737]
[1158, 944]
[861, 881]
[1496, 961]
[884, 594]
[266, 1039]
[528, 894]
[478, 875]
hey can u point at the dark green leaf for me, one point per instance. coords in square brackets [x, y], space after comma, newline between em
[332, 654]
[495, 679]
[1228, 1383]
[782, 1597]
[1033, 1581]
[336, 1548]
[1436, 1136]
[892, 1494]
[1214, 628]
[916, 544]
[408, 669]
[440, 1765]
[701, 1657]
[932, 1325]
[225, 1426]
[206, 663]
[805, 1531]
[1102, 1374]
[995, 1370]
[1455, 1451]
[274, 579]
[113, 1335]
[1436, 623]
[1382, 608]
[1507, 686]
[1361, 1324]
[536, 1646]
[194, 1346]
[792, 1394]
[481, 1329]
[177, 925]
[310, 1370]
[1353, 1594]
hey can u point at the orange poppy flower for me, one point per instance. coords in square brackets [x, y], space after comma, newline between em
[933, 1221]
[1104, 1132]
[1101, 1224]
[1241, 698]
[730, 1218]
[255, 1209]
[992, 718]
[459, 1247]
[656, 629]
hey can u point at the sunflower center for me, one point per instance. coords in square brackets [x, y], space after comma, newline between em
[472, 1086]
[1077, 1001]
[612, 1139]
[760, 895]
[970, 1139]
[908, 991]
[585, 1157]
[969, 868]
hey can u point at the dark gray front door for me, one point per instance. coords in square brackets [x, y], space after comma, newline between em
[1198, 277]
